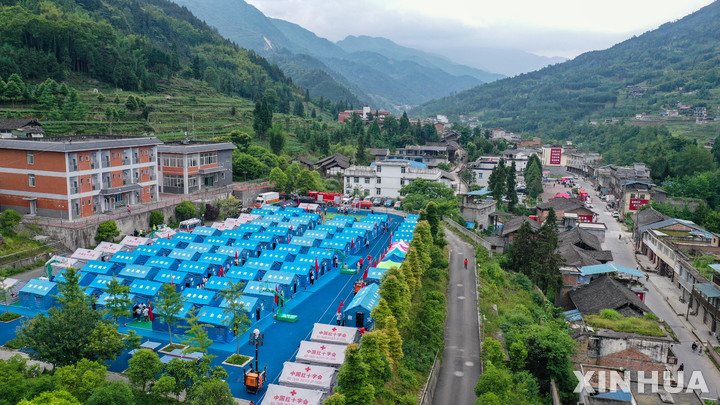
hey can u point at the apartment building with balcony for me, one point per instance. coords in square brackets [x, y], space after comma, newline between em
[73, 177]
[189, 166]
[386, 178]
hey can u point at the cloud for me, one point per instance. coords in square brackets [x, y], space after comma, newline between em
[551, 27]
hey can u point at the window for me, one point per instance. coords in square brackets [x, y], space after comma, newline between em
[402, 169]
[379, 169]
[172, 161]
[31, 158]
[208, 158]
[367, 180]
[402, 182]
[480, 175]
[357, 179]
[642, 196]
[173, 181]
[632, 195]
[31, 180]
[222, 175]
[192, 160]
[378, 180]
[377, 191]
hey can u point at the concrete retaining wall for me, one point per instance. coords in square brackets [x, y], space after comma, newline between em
[472, 235]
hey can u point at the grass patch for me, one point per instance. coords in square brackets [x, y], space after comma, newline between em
[627, 324]
[15, 344]
[237, 359]
[11, 271]
[171, 347]
[9, 316]
[330, 215]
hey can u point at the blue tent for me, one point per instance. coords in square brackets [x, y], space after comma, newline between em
[302, 270]
[188, 237]
[234, 234]
[179, 279]
[316, 219]
[98, 267]
[379, 218]
[342, 245]
[198, 297]
[315, 234]
[219, 283]
[272, 208]
[264, 265]
[308, 259]
[138, 271]
[276, 256]
[412, 218]
[278, 217]
[339, 225]
[196, 270]
[250, 304]
[305, 243]
[159, 325]
[262, 211]
[375, 274]
[293, 211]
[184, 254]
[102, 301]
[300, 225]
[163, 263]
[249, 248]
[330, 229]
[168, 244]
[326, 253]
[355, 242]
[252, 228]
[126, 258]
[243, 273]
[345, 218]
[217, 260]
[206, 231]
[144, 290]
[394, 258]
[357, 313]
[218, 240]
[216, 324]
[38, 294]
[265, 240]
[294, 250]
[85, 278]
[280, 231]
[202, 247]
[286, 281]
[154, 250]
[265, 223]
[262, 291]
[372, 230]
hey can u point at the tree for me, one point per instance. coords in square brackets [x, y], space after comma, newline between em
[228, 207]
[131, 103]
[396, 293]
[335, 399]
[70, 291]
[353, 381]
[373, 350]
[107, 231]
[101, 98]
[380, 313]
[497, 181]
[185, 210]
[510, 191]
[533, 176]
[156, 218]
[143, 366]
[112, 393]
[8, 220]
[166, 385]
[291, 174]
[308, 181]
[168, 306]
[493, 352]
[6, 292]
[421, 191]
[212, 391]
[196, 338]
[118, 301]
[235, 310]
[241, 139]
[496, 380]
[549, 348]
[299, 109]
[211, 212]
[81, 379]
[432, 214]
[277, 136]
[262, 118]
[518, 354]
[394, 339]
[58, 397]
[278, 178]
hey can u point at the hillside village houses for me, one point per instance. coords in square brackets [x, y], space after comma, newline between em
[385, 178]
[366, 114]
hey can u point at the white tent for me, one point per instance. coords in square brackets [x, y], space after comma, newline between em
[86, 254]
[308, 376]
[248, 218]
[111, 248]
[343, 335]
[223, 226]
[135, 241]
[321, 353]
[281, 395]
[164, 233]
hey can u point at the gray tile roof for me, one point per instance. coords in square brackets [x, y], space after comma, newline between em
[606, 293]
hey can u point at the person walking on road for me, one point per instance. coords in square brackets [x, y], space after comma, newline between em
[466, 263]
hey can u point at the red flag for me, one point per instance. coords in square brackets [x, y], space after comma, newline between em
[290, 227]
[150, 312]
[220, 274]
[352, 243]
[365, 274]
[375, 224]
[316, 264]
[236, 255]
[276, 294]
[341, 305]
[172, 279]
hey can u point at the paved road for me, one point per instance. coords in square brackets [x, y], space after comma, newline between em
[624, 254]
[460, 368]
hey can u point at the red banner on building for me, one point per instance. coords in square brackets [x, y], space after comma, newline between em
[555, 156]
[636, 203]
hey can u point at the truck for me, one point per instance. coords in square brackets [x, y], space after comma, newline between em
[326, 197]
[267, 198]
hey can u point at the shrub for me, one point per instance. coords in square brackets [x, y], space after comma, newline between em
[211, 212]
[107, 231]
[8, 220]
[609, 314]
[156, 218]
[650, 316]
[185, 210]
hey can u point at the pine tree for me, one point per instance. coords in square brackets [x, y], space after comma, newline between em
[496, 181]
[70, 291]
[353, 379]
[397, 294]
[380, 313]
[510, 191]
[235, 310]
[168, 306]
[196, 338]
[394, 340]
[118, 301]
[373, 349]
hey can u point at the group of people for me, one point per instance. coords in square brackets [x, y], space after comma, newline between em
[695, 346]
[141, 312]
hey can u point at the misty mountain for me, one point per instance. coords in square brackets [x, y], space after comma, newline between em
[384, 79]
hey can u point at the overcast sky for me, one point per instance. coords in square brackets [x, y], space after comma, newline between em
[544, 27]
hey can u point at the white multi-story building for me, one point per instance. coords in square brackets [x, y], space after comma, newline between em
[386, 178]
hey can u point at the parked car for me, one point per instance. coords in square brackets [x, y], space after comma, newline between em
[378, 201]
[389, 203]
[365, 204]
[398, 205]
[615, 214]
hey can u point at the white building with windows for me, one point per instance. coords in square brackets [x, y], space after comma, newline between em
[186, 167]
[385, 178]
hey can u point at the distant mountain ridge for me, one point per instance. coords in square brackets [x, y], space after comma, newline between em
[674, 65]
[394, 79]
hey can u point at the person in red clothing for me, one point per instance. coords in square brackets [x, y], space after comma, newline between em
[466, 263]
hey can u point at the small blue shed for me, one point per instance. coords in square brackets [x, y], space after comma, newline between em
[196, 270]
[266, 240]
[250, 304]
[217, 261]
[305, 243]
[38, 294]
[249, 249]
[357, 313]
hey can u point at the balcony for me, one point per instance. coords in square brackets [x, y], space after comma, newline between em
[125, 161]
[106, 163]
[74, 190]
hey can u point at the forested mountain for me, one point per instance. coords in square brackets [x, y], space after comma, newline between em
[132, 44]
[384, 79]
[677, 63]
